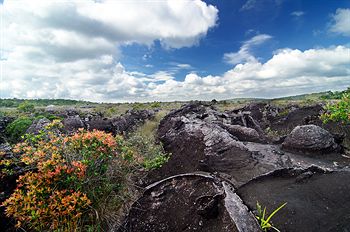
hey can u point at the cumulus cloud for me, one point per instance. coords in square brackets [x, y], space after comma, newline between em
[244, 54]
[288, 72]
[55, 49]
[341, 22]
[71, 49]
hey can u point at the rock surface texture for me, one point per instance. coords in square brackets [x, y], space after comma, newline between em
[117, 125]
[244, 158]
[310, 139]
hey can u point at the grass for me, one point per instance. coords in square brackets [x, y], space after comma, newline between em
[149, 128]
[264, 219]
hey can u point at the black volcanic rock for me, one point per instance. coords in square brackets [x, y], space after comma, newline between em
[317, 200]
[310, 139]
[38, 125]
[189, 202]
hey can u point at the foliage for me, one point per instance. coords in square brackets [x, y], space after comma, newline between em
[339, 111]
[155, 105]
[16, 129]
[156, 162]
[143, 142]
[336, 94]
[49, 116]
[138, 106]
[26, 107]
[70, 179]
[153, 155]
[264, 222]
[284, 112]
[14, 102]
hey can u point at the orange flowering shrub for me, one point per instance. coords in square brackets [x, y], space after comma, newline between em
[66, 176]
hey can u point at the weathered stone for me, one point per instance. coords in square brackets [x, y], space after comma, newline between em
[38, 125]
[243, 133]
[189, 202]
[310, 139]
[317, 200]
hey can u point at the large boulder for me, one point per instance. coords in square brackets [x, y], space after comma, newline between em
[38, 125]
[189, 202]
[243, 133]
[317, 200]
[198, 144]
[73, 123]
[310, 139]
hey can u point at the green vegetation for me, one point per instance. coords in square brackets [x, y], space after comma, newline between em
[16, 129]
[73, 183]
[264, 222]
[143, 141]
[41, 102]
[336, 94]
[80, 182]
[26, 107]
[339, 111]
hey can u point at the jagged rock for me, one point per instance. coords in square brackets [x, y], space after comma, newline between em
[189, 202]
[72, 123]
[243, 133]
[200, 145]
[51, 108]
[317, 200]
[296, 116]
[310, 139]
[38, 125]
[117, 125]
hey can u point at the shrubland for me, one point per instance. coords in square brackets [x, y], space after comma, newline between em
[338, 111]
[78, 182]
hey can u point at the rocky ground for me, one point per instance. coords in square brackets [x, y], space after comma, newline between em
[223, 163]
[233, 160]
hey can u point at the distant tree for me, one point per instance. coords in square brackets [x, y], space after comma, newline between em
[26, 107]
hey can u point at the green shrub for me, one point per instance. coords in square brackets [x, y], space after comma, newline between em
[338, 112]
[155, 105]
[26, 107]
[155, 162]
[153, 155]
[16, 129]
[74, 181]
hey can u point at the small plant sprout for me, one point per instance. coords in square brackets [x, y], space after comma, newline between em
[264, 222]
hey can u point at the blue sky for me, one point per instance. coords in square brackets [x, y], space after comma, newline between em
[117, 51]
[235, 26]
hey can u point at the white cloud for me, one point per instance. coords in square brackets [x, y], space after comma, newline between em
[244, 54]
[45, 55]
[297, 13]
[341, 22]
[288, 72]
[184, 66]
[71, 49]
[249, 4]
[259, 4]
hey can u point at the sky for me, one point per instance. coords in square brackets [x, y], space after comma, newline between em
[159, 50]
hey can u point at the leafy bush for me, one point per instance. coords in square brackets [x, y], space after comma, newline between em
[338, 112]
[70, 180]
[26, 107]
[16, 129]
[153, 155]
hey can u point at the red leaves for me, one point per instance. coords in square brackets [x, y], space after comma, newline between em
[48, 198]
